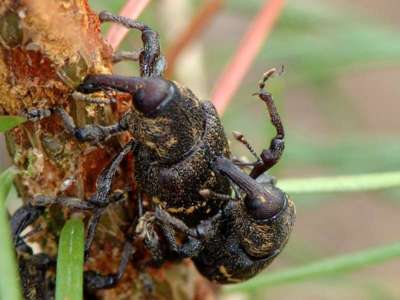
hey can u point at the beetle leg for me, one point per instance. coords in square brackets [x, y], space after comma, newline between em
[195, 237]
[93, 133]
[104, 181]
[168, 224]
[125, 55]
[22, 218]
[71, 202]
[100, 200]
[152, 63]
[91, 229]
[189, 248]
[163, 217]
[95, 280]
[36, 114]
[146, 231]
[272, 155]
[29, 213]
[96, 215]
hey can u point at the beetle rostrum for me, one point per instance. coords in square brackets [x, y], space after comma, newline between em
[224, 214]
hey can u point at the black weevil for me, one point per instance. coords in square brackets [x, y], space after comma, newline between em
[206, 207]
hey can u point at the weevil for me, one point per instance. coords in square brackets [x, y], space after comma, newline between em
[37, 280]
[204, 205]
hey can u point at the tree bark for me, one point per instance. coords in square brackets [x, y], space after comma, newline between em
[47, 47]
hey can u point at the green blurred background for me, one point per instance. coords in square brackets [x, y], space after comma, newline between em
[339, 99]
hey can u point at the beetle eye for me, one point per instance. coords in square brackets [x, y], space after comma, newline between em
[87, 87]
[153, 94]
[266, 206]
[90, 86]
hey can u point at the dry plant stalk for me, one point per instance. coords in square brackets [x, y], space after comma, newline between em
[47, 47]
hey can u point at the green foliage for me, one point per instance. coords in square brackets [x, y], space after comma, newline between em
[9, 279]
[8, 122]
[69, 282]
[351, 183]
[345, 263]
[319, 42]
[316, 42]
[343, 156]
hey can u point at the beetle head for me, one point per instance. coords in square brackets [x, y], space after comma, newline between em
[259, 240]
[269, 223]
[257, 226]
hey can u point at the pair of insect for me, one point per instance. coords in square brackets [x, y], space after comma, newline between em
[204, 205]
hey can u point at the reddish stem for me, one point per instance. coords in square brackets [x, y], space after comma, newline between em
[194, 29]
[250, 45]
[131, 9]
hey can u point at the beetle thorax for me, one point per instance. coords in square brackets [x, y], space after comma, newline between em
[174, 130]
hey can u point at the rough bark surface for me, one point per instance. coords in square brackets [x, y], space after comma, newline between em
[47, 47]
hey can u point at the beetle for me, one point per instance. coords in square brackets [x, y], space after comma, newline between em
[35, 270]
[204, 205]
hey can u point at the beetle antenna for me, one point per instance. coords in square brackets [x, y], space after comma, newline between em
[240, 138]
[206, 193]
[93, 100]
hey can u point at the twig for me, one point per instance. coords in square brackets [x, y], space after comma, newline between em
[131, 9]
[250, 45]
[195, 28]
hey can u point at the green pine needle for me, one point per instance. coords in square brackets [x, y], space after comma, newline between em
[69, 282]
[319, 269]
[8, 122]
[350, 183]
[9, 279]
